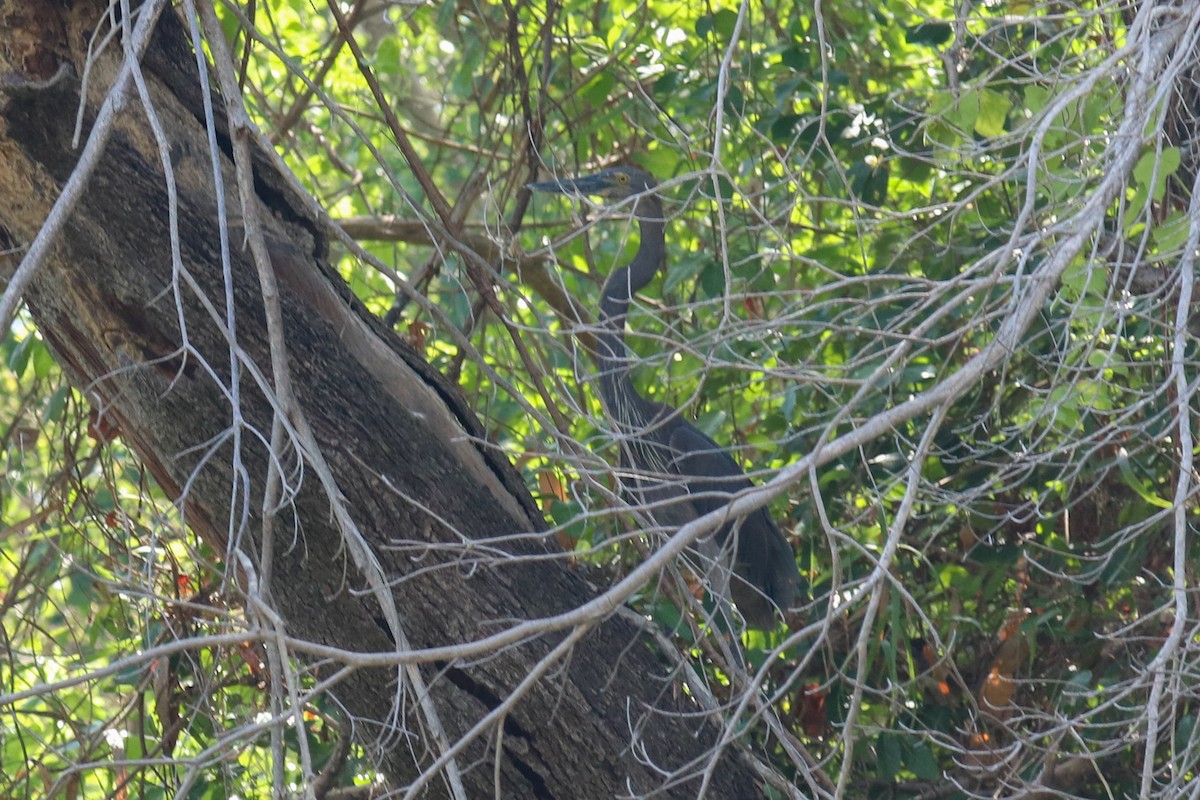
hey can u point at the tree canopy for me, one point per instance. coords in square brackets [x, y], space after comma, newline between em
[929, 276]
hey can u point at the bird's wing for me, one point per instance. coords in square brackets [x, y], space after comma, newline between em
[710, 472]
[764, 559]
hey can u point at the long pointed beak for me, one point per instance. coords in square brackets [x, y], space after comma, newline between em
[585, 185]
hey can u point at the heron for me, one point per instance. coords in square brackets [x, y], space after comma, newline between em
[678, 472]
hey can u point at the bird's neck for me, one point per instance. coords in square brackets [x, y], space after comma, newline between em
[612, 355]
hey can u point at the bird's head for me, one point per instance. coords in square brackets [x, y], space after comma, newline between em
[614, 183]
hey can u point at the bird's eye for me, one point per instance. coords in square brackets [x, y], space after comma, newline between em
[622, 177]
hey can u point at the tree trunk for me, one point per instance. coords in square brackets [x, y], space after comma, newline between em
[150, 347]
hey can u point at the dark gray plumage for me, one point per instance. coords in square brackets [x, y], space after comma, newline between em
[679, 472]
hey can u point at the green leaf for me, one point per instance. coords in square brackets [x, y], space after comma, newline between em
[667, 85]
[1172, 232]
[1081, 679]
[955, 576]
[81, 592]
[783, 126]
[208, 790]
[946, 123]
[1184, 729]
[1004, 555]
[1157, 167]
[720, 23]
[667, 616]
[18, 359]
[795, 57]
[597, 89]
[103, 500]
[56, 404]
[1144, 488]
[919, 761]
[1124, 562]
[1036, 98]
[928, 33]
[43, 363]
[661, 161]
[230, 26]
[735, 101]
[712, 280]
[569, 515]
[1084, 279]
[684, 269]
[889, 755]
[388, 56]
[993, 112]
[962, 115]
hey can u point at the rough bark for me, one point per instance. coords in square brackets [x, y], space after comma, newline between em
[401, 440]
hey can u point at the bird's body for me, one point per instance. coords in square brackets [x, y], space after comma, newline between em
[676, 471]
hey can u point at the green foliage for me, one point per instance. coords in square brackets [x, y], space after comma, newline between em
[855, 199]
